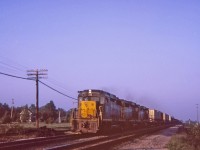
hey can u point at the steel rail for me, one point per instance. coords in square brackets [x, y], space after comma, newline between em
[28, 143]
[105, 142]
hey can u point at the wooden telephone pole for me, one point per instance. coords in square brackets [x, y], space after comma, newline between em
[36, 75]
[197, 114]
[11, 115]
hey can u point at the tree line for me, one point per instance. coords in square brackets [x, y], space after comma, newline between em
[47, 113]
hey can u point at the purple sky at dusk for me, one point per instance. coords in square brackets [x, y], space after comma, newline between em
[140, 50]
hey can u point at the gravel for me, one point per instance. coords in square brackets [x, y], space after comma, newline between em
[156, 141]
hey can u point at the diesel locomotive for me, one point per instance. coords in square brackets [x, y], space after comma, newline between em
[100, 111]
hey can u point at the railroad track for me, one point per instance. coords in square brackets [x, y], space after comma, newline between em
[105, 142]
[39, 142]
[75, 141]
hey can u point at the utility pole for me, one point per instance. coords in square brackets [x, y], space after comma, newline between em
[36, 75]
[59, 119]
[197, 113]
[11, 115]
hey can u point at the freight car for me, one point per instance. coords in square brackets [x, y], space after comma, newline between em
[100, 111]
[155, 116]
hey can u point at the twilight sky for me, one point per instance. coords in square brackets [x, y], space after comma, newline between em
[140, 50]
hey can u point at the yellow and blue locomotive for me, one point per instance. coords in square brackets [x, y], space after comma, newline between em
[99, 110]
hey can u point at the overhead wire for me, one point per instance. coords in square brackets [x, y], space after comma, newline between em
[13, 66]
[57, 84]
[10, 66]
[57, 90]
[18, 67]
[15, 76]
[14, 62]
[40, 82]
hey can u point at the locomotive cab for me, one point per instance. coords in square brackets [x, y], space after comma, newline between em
[89, 112]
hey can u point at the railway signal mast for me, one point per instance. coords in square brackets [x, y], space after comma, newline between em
[36, 75]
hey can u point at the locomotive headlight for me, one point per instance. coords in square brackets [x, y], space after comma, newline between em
[90, 92]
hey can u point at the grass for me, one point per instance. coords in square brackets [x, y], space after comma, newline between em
[41, 124]
[16, 127]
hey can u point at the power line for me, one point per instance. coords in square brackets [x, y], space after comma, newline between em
[57, 90]
[57, 84]
[10, 66]
[15, 76]
[9, 70]
[14, 62]
[40, 82]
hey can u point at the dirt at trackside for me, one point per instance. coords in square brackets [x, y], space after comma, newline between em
[29, 133]
[153, 142]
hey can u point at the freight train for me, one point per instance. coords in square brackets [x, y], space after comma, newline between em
[100, 111]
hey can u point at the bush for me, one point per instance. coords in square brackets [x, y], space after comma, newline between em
[49, 120]
[44, 131]
[190, 141]
[179, 143]
[194, 136]
[11, 129]
[16, 129]
[6, 118]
